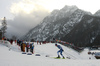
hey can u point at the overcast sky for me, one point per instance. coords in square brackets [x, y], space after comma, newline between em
[22, 15]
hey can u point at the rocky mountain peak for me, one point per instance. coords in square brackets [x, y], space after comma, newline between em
[66, 7]
[97, 13]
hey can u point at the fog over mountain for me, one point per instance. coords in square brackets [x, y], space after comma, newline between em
[22, 23]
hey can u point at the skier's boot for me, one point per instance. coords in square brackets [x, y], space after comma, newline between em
[63, 57]
[58, 56]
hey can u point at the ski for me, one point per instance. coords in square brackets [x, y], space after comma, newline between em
[29, 53]
[58, 58]
[24, 53]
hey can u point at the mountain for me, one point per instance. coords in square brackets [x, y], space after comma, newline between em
[85, 32]
[97, 13]
[68, 24]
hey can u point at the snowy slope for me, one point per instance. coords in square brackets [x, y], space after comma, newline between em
[14, 57]
[51, 50]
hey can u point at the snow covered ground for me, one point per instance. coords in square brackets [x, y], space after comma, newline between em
[14, 57]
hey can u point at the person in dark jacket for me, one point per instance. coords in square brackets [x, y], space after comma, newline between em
[21, 46]
[18, 42]
[27, 47]
[60, 51]
[32, 48]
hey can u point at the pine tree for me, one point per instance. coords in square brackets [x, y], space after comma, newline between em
[4, 27]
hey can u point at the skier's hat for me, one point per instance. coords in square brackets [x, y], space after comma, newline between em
[55, 44]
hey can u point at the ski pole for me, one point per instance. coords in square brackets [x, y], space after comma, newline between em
[69, 55]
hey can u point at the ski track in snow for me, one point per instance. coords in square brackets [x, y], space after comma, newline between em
[14, 57]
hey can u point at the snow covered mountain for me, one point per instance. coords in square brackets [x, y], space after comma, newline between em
[97, 13]
[85, 32]
[66, 24]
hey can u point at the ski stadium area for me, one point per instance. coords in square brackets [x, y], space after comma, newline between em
[11, 55]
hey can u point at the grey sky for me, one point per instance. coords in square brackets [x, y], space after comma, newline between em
[21, 22]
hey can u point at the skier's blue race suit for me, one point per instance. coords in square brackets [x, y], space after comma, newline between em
[60, 51]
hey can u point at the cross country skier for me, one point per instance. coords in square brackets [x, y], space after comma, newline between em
[60, 51]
